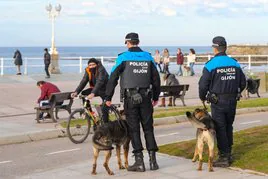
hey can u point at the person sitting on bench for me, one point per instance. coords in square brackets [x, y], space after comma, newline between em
[46, 90]
[169, 80]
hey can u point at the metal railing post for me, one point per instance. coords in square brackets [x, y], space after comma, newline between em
[249, 62]
[2, 66]
[102, 60]
[26, 66]
[80, 64]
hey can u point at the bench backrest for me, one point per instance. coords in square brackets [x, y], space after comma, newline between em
[176, 88]
[60, 98]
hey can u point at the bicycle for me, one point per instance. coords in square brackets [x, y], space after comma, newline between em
[80, 120]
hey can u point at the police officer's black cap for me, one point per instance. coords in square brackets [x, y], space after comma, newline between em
[219, 41]
[132, 37]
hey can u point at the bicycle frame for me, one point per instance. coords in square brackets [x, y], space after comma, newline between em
[88, 108]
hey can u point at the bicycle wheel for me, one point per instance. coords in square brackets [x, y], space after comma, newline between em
[78, 126]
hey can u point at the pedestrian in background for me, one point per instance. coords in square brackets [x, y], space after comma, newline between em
[157, 59]
[221, 83]
[47, 60]
[18, 61]
[180, 59]
[165, 57]
[191, 58]
[140, 82]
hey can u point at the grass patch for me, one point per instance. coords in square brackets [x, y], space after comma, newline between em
[176, 111]
[250, 149]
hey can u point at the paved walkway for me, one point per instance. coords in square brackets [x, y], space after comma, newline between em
[18, 95]
[170, 168]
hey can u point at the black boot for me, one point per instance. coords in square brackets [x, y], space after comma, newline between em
[222, 161]
[138, 166]
[152, 160]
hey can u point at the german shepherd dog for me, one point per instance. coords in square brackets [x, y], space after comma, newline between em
[205, 133]
[106, 135]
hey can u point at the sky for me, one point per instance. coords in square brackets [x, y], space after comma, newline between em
[158, 22]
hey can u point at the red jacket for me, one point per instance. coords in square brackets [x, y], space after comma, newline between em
[180, 59]
[46, 90]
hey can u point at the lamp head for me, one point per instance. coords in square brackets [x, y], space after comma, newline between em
[58, 8]
[49, 7]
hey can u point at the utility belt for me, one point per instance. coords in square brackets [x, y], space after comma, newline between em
[214, 98]
[136, 94]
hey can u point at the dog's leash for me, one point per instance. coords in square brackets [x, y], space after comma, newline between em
[205, 107]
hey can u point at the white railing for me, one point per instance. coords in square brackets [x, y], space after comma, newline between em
[248, 61]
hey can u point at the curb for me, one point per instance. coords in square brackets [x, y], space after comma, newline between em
[61, 132]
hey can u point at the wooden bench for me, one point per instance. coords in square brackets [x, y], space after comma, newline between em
[178, 91]
[56, 102]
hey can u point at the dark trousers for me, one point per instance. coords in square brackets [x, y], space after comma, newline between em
[104, 109]
[223, 114]
[136, 114]
[46, 69]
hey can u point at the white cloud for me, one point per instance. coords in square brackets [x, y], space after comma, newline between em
[168, 11]
[216, 5]
[88, 4]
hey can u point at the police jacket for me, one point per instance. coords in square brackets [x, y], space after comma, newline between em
[96, 81]
[136, 69]
[221, 75]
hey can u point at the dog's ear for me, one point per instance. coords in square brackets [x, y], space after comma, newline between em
[197, 110]
[188, 114]
[121, 112]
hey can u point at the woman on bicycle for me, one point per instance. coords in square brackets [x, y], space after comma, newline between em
[97, 77]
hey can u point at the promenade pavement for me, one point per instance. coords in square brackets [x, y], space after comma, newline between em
[18, 95]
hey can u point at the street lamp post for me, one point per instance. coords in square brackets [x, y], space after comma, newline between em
[53, 13]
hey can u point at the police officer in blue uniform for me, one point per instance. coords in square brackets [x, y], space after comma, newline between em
[140, 84]
[221, 83]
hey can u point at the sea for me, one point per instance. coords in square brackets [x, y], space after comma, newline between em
[69, 57]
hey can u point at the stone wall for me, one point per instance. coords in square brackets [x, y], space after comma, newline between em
[247, 50]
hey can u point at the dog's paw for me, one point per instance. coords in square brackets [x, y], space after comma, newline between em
[111, 173]
[194, 160]
[210, 170]
[121, 167]
[199, 169]
[93, 173]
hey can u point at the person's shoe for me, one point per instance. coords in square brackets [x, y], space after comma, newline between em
[152, 160]
[170, 102]
[163, 102]
[138, 166]
[222, 161]
[231, 159]
[47, 76]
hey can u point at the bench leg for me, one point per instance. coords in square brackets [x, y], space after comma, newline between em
[182, 100]
[69, 110]
[52, 115]
[56, 113]
[258, 94]
[38, 115]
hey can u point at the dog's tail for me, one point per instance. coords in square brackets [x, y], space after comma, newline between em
[194, 121]
[95, 139]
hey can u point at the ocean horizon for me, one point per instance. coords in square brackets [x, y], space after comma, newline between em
[95, 51]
